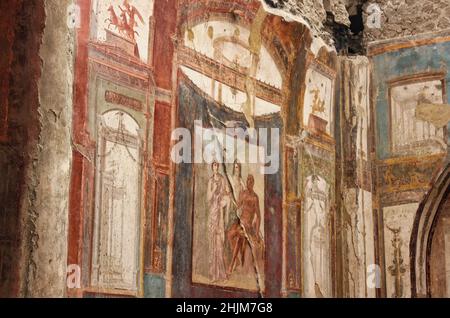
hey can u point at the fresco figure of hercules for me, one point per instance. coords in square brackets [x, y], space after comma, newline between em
[246, 230]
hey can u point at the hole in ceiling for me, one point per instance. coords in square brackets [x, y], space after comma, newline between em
[357, 21]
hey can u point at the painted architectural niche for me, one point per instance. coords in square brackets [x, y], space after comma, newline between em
[317, 111]
[117, 221]
[317, 166]
[398, 223]
[227, 195]
[120, 106]
[217, 59]
[410, 135]
[317, 238]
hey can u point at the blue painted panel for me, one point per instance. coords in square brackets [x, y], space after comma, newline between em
[404, 62]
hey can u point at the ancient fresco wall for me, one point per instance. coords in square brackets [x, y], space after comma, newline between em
[410, 146]
[349, 178]
[224, 262]
[310, 160]
[398, 222]
[113, 176]
[109, 14]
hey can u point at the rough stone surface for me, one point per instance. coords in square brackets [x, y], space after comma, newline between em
[408, 17]
[315, 13]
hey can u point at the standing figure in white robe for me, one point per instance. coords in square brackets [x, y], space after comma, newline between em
[218, 195]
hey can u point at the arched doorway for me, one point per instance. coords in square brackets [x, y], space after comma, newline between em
[430, 242]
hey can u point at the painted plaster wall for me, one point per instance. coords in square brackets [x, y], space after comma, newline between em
[399, 63]
[182, 282]
[402, 178]
[45, 204]
[398, 222]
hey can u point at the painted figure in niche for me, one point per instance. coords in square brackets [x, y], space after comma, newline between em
[317, 111]
[246, 230]
[318, 103]
[218, 195]
[317, 262]
[228, 207]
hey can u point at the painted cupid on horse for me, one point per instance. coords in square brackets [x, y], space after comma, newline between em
[126, 22]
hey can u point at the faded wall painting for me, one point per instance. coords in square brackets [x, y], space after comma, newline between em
[228, 243]
[360, 243]
[317, 111]
[117, 219]
[217, 58]
[116, 146]
[357, 136]
[125, 22]
[226, 212]
[398, 223]
[316, 238]
[411, 135]
[360, 100]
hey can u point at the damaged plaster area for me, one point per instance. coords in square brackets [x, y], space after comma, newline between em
[331, 20]
[47, 199]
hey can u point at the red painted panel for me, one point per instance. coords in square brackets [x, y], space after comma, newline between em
[7, 18]
[76, 198]
[75, 208]
[81, 73]
[162, 132]
[165, 17]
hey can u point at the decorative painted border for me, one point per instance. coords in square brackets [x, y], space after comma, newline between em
[386, 46]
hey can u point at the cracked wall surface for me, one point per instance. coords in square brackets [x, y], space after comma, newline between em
[315, 13]
[355, 182]
[45, 203]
